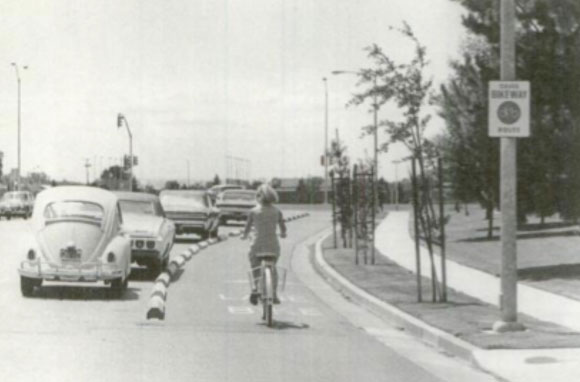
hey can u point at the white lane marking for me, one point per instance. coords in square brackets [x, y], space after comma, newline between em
[246, 281]
[240, 310]
[227, 298]
[311, 312]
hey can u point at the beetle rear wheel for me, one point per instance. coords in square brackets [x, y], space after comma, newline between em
[118, 286]
[27, 285]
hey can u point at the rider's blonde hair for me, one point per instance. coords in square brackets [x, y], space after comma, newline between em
[266, 194]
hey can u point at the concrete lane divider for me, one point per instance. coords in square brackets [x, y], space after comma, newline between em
[164, 278]
[187, 255]
[159, 289]
[202, 244]
[194, 249]
[212, 241]
[156, 307]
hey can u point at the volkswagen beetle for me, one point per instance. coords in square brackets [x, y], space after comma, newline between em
[78, 237]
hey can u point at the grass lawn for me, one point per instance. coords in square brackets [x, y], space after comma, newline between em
[548, 256]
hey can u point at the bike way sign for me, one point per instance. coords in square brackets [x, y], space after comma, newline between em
[509, 109]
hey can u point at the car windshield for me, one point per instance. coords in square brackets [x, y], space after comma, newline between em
[246, 196]
[74, 209]
[140, 207]
[180, 201]
[13, 196]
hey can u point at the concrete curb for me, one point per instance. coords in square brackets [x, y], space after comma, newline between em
[158, 297]
[410, 324]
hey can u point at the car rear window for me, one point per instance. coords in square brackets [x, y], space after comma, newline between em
[138, 207]
[177, 201]
[249, 196]
[14, 196]
[74, 209]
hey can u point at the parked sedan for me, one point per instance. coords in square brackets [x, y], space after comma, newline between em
[77, 238]
[152, 234]
[192, 211]
[235, 204]
[16, 203]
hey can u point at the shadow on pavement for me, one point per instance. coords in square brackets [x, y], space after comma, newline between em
[535, 235]
[61, 292]
[177, 275]
[560, 271]
[187, 239]
[142, 274]
[284, 325]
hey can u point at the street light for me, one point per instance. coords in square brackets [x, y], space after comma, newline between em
[120, 119]
[325, 140]
[375, 124]
[16, 68]
[396, 163]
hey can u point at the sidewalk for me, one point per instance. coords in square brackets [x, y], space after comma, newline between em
[529, 365]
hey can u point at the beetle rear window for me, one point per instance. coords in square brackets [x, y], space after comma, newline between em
[138, 207]
[74, 209]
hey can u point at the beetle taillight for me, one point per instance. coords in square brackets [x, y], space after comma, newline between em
[111, 257]
[31, 255]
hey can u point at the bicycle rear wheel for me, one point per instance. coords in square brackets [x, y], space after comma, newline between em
[268, 297]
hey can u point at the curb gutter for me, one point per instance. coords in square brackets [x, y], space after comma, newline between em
[410, 324]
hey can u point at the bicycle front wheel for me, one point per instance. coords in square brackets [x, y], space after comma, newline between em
[268, 295]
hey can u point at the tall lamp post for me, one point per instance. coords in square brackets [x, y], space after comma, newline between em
[120, 119]
[375, 127]
[325, 140]
[16, 69]
[396, 163]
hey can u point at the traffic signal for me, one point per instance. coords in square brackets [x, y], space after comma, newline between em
[126, 162]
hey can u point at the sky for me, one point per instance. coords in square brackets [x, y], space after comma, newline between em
[201, 81]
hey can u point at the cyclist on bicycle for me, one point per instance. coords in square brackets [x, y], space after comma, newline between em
[264, 218]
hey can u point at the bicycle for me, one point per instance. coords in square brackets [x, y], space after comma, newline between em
[265, 283]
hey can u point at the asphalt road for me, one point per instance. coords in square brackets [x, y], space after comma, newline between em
[210, 333]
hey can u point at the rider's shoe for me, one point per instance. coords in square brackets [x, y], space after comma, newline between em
[276, 300]
[254, 297]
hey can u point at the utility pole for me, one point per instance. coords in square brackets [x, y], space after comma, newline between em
[509, 271]
[376, 141]
[325, 140]
[188, 183]
[120, 119]
[87, 166]
[16, 68]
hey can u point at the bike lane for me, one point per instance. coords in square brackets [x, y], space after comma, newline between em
[219, 335]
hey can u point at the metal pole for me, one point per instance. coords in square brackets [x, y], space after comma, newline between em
[19, 138]
[188, 183]
[509, 274]
[87, 166]
[376, 143]
[334, 197]
[442, 224]
[120, 118]
[416, 229]
[17, 71]
[325, 140]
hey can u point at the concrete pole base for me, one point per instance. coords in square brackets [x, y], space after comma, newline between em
[504, 327]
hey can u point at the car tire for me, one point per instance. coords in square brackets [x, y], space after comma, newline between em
[27, 285]
[156, 266]
[118, 286]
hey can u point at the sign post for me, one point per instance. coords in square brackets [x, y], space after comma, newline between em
[506, 109]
